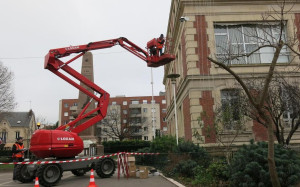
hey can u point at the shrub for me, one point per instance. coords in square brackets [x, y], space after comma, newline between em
[5, 159]
[195, 152]
[216, 172]
[202, 177]
[219, 170]
[126, 145]
[249, 166]
[185, 168]
[5, 153]
[164, 144]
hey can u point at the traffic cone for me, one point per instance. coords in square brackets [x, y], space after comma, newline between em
[92, 180]
[36, 184]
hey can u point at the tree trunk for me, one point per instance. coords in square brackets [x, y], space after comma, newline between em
[271, 156]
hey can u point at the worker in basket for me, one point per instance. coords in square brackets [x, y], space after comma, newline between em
[160, 44]
[18, 153]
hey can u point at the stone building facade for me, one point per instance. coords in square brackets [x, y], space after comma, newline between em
[17, 124]
[194, 30]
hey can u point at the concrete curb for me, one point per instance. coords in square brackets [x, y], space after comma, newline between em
[172, 180]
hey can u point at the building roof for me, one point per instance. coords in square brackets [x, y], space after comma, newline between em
[17, 119]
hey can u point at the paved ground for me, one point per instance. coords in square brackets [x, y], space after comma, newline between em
[69, 180]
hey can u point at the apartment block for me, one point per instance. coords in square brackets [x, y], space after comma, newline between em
[141, 117]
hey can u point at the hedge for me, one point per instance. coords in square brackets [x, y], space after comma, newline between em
[5, 153]
[127, 145]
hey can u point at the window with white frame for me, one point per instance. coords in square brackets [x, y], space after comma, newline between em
[230, 107]
[145, 110]
[145, 137]
[124, 102]
[289, 105]
[163, 101]
[66, 114]
[114, 103]
[17, 134]
[4, 135]
[66, 105]
[164, 110]
[145, 101]
[235, 39]
[125, 112]
[135, 102]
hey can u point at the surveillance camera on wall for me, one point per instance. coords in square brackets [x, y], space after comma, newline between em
[182, 19]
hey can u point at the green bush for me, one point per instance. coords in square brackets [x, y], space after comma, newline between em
[124, 146]
[219, 170]
[162, 145]
[144, 160]
[249, 166]
[202, 177]
[216, 172]
[195, 152]
[5, 159]
[5, 153]
[185, 168]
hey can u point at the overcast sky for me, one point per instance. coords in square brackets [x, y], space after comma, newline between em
[30, 28]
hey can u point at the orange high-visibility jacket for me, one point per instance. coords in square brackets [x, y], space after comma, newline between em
[160, 43]
[19, 154]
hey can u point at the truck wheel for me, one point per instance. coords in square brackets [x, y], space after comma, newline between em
[79, 172]
[49, 174]
[23, 175]
[105, 168]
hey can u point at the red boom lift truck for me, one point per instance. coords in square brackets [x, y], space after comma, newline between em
[64, 143]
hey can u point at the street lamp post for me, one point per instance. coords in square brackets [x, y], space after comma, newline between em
[173, 81]
[152, 103]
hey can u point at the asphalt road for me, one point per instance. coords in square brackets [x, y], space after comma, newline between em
[69, 180]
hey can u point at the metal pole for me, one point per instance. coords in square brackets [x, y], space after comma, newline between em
[175, 110]
[152, 101]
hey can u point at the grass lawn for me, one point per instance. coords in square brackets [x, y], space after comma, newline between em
[6, 167]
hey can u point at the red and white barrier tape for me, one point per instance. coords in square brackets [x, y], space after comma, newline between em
[77, 160]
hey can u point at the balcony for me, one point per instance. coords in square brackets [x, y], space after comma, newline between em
[73, 108]
[135, 112]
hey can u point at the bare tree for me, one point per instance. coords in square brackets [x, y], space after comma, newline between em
[282, 104]
[128, 128]
[228, 123]
[262, 37]
[7, 99]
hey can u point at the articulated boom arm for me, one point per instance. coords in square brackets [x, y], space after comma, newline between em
[54, 64]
